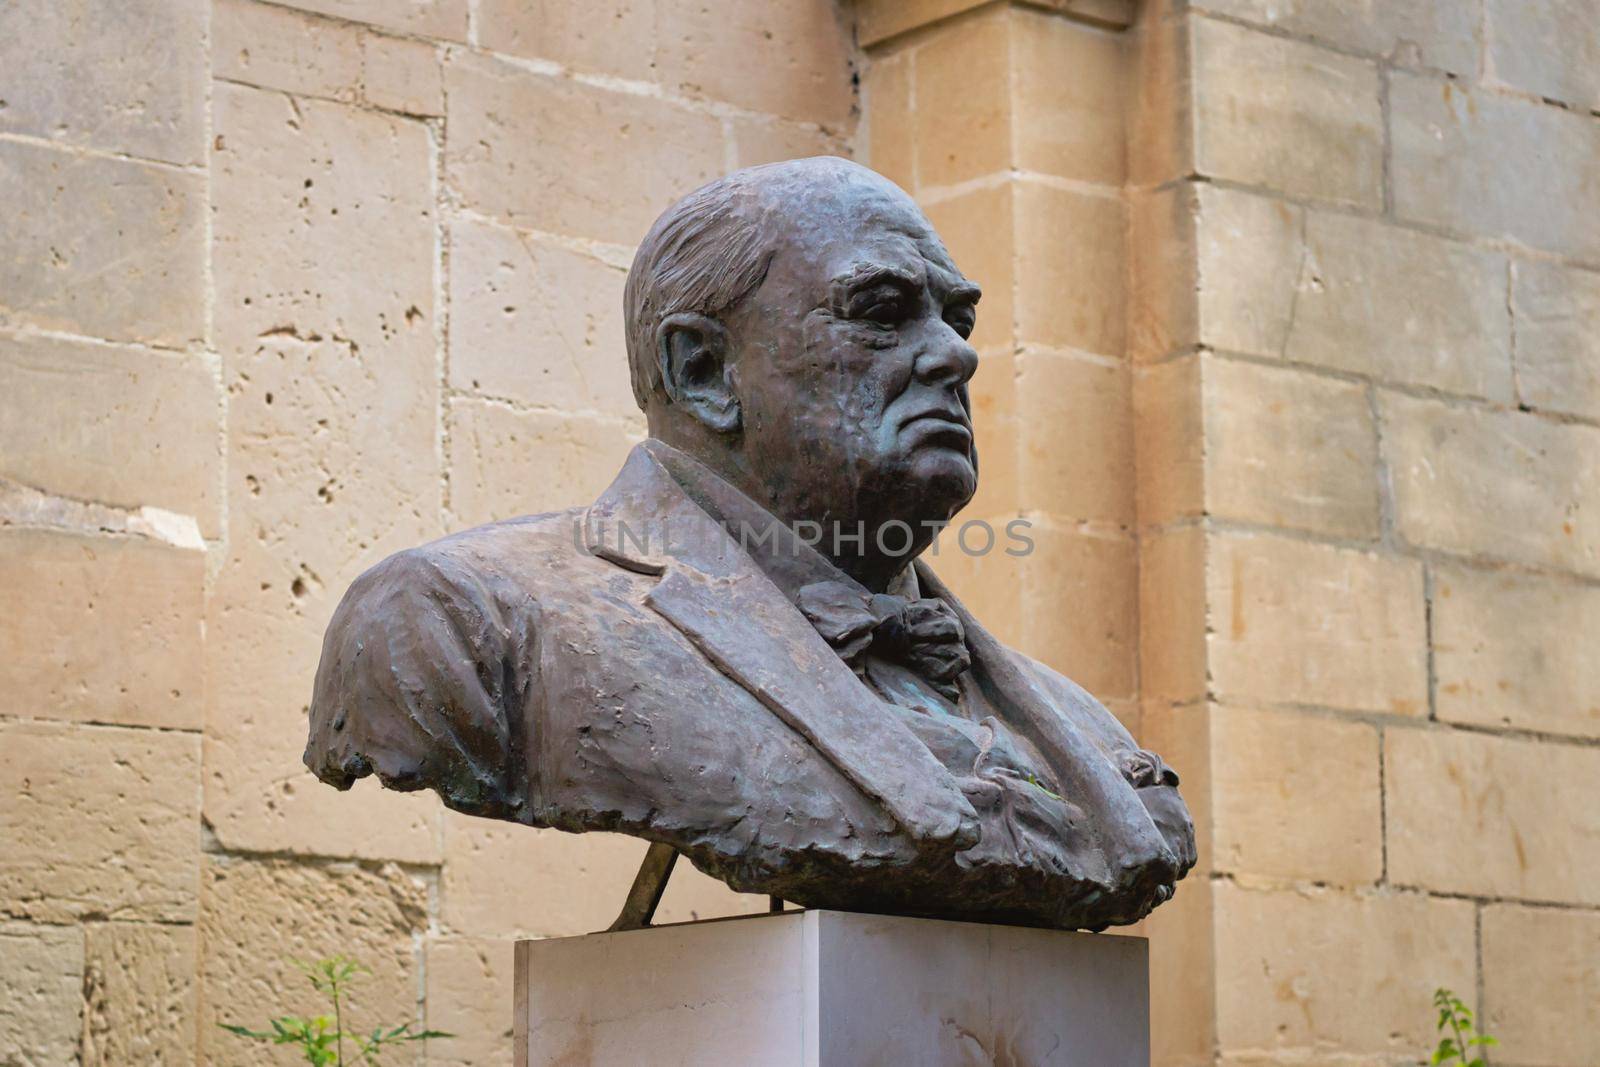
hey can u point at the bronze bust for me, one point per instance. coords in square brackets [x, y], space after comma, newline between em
[735, 652]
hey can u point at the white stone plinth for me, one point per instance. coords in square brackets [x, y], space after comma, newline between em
[830, 989]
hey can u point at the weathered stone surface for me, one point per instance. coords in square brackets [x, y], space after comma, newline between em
[139, 986]
[256, 916]
[98, 821]
[505, 462]
[756, 140]
[324, 269]
[1295, 796]
[1169, 428]
[125, 426]
[541, 151]
[1331, 975]
[1076, 301]
[402, 75]
[127, 77]
[279, 48]
[1163, 279]
[962, 118]
[103, 247]
[886, 140]
[1067, 98]
[1431, 33]
[1352, 294]
[1499, 484]
[614, 37]
[1172, 615]
[1541, 970]
[791, 59]
[111, 631]
[1094, 642]
[1461, 161]
[536, 322]
[41, 993]
[445, 19]
[1545, 47]
[1289, 449]
[1288, 115]
[469, 994]
[1507, 651]
[1309, 624]
[504, 880]
[879, 20]
[1557, 314]
[1493, 816]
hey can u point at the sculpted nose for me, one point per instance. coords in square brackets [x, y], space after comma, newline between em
[948, 359]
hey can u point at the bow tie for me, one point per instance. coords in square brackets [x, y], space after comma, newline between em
[924, 635]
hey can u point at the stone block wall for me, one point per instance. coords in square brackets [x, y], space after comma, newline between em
[1367, 345]
[285, 287]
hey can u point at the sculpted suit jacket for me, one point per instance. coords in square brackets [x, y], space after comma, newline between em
[548, 671]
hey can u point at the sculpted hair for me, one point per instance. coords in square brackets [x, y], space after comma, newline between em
[705, 254]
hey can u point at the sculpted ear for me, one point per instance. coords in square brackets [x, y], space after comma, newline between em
[693, 351]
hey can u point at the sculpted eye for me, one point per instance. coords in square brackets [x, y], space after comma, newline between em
[963, 318]
[889, 312]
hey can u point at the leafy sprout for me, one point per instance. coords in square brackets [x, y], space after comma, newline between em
[322, 1037]
[1461, 1038]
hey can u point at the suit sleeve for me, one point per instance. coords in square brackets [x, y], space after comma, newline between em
[419, 684]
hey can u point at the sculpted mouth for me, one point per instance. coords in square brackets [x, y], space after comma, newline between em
[939, 424]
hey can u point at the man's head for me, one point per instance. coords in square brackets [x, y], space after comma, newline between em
[800, 328]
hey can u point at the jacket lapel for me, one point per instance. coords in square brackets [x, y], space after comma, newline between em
[713, 593]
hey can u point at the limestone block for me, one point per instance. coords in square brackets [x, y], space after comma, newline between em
[445, 19]
[791, 59]
[128, 426]
[256, 916]
[1163, 279]
[1183, 1018]
[402, 75]
[1288, 115]
[1461, 160]
[755, 140]
[1294, 622]
[1541, 971]
[128, 77]
[962, 119]
[615, 37]
[977, 228]
[1289, 449]
[1295, 796]
[505, 880]
[505, 462]
[469, 982]
[543, 152]
[139, 986]
[1172, 615]
[102, 247]
[1557, 312]
[1169, 428]
[879, 20]
[279, 48]
[1504, 484]
[1067, 98]
[1070, 301]
[98, 821]
[1080, 602]
[1493, 816]
[1318, 975]
[324, 267]
[1545, 47]
[102, 629]
[886, 139]
[536, 322]
[1353, 295]
[41, 993]
[1161, 101]
[1411, 33]
[1509, 650]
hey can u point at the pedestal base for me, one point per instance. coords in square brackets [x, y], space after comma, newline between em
[830, 989]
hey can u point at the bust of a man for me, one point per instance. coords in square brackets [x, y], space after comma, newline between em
[735, 650]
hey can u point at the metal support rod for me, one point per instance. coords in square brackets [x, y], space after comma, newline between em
[648, 885]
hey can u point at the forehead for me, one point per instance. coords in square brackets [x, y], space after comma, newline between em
[860, 229]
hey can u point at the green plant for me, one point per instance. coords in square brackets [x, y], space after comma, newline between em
[1463, 1038]
[322, 1038]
